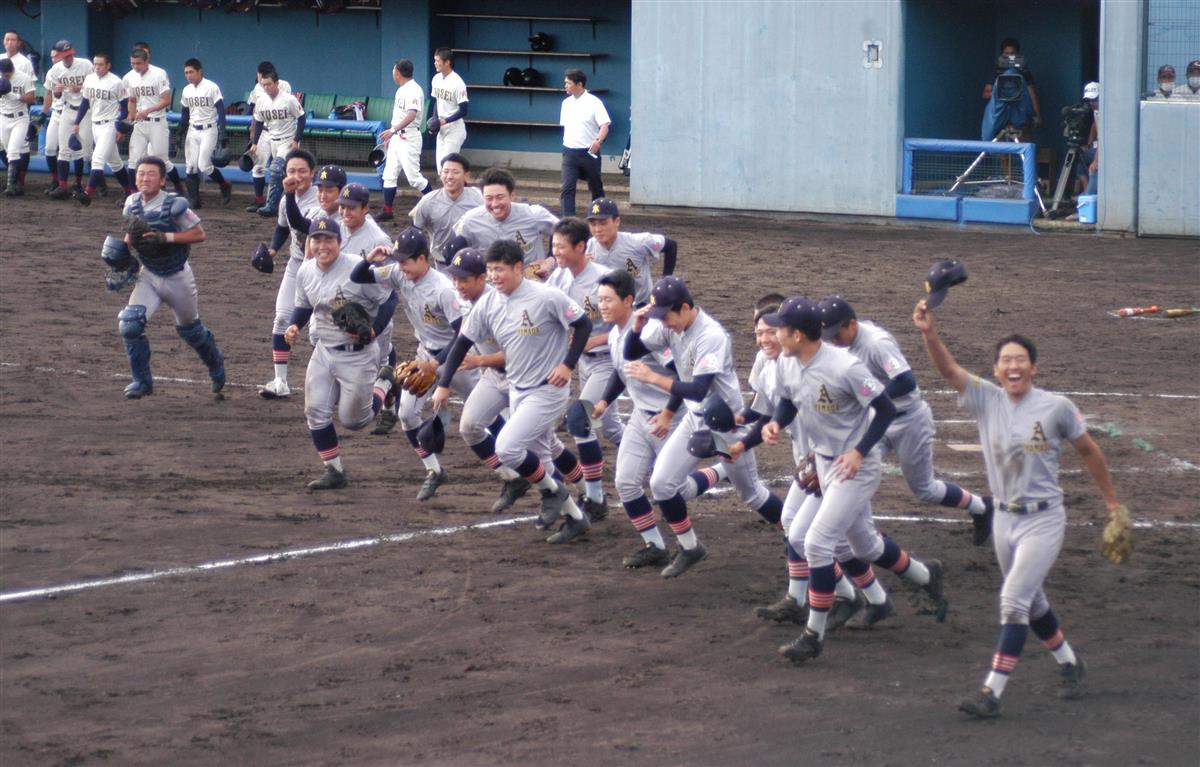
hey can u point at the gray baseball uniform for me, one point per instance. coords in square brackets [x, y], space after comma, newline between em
[436, 214]
[285, 298]
[639, 447]
[633, 253]
[525, 224]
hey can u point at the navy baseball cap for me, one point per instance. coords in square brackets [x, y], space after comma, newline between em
[467, 262]
[411, 242]
[330, 175]
[457, 243]
[325, 225]
[835, 312]
[669, 293]
[603, 208]
[63, 47]
[942, 276]
[798, 313]
[354, 194]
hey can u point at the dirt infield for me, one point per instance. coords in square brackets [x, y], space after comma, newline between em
[488, 646]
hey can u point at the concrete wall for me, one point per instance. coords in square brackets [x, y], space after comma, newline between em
[1169, 176]
[766, 105]
[1122, 42]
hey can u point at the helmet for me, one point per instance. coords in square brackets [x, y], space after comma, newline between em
[377, 155]
[540, 42]
[513, 76]
[221, 156]
[246, 162]
[531, 77]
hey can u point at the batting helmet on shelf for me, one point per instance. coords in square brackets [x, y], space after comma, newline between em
[531, 77]
[221, 156]
[513, 76]
[377, 155]
[246, 162]
[540, 42]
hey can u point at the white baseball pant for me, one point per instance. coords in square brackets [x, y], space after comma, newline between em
[66, 126]
[450, 139]
[486, 401]
[104, 150]
[13, 132]
[1027, 546]
[534, 415]
[674, 463]
[838, 524]
[198, 149]
[411, 405]
[404, 153]
[51, 147]
[150, 136]
[342, 381]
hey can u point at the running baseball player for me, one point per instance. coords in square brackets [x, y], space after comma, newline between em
[103, 102]
[910, 436]
[843, 412]
[17, 91]
[278, 124]
[450, 94]
[258, 173]
[530, 322]
[161, 229]
[432, 307]
[613, 249]
[501, 218]
[202, 124]
[149, 90]
[403, 138]
[481, 419]
[65, 80]
[341, 370]
[438, 212]
[703, 356]
[1023, 430]
[579, 278]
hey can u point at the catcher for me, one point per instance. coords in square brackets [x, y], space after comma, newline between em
[1023, 429]
[433, 309]
[160, 229]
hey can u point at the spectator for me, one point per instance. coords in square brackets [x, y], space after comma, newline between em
[1166, 83]
[1191, 90]
[585, 124]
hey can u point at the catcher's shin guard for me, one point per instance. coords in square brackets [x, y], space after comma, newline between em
[132, 326]
[201, 339]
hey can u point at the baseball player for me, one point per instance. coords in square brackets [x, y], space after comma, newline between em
[911, 434]
[579, 278]
[202, 123]
[259, 172]
[17, 91]
[278, 124]
[149, 90]
[437, 212]
[12, 52]
[65, 80]
[613, 249]
[481, 419]
[530, 323]
[1023, 430]
[500, 217]
[166, 278]
[450, 93]
[403, 138]
[52, 107]
[103, 102]
[843, 412]
[342, 369]
[300, 194]
[433, 310]
[703, 356]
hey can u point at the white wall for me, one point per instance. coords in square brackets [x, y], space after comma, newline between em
[766, 105]
[1122, 26]
[1169, 176]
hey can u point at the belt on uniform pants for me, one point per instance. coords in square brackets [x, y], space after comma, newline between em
[1023, 508]
[432, 352]
[826, 457]
[594, 355]
[101, 122]
[543, 382]
[204, 127]
[348, 347]
[153, 119]
[14, 114]
[575, 150]
[900, 413]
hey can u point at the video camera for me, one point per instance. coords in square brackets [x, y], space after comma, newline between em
[1010, 80]
[1077, 122]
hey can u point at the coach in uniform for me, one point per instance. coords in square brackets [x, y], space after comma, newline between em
[403, 138]
[585, 123]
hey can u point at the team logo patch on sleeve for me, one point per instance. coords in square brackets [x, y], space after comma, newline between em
[891, 366]
[573, 310]
[868, 387]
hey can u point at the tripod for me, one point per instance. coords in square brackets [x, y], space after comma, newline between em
[1063, 177]
[1009, 133]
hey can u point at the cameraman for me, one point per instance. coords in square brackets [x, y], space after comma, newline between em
[1010, 58]
[1090, 156]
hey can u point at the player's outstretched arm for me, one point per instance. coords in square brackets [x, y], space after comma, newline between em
[939, 355]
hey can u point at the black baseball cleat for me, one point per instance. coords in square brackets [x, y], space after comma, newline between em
[597, 510]
[385, 216]
[981, 704]
[683, 560]
[433, 480]
[981, 524]
[14, 190]
[266, 212]
[512, 491]
[218, 381]
[226, 195]
[871, 614]
[936, 591]
[786, 610]
[139, 389]
[1070, 679]
[571, 529]
[843, 610]
[803, 648]
[82, 197]
[332, 479]
[552, 504]
[647, 556]
[386, 423]
[253, 207]
[60, 193]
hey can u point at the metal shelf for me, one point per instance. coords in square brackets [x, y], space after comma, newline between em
[532, 89]
[559, 54]
[585, 19]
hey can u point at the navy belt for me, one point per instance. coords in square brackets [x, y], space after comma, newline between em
[348, 347]
[153, 119]
[1024, 508]
[594, 355]
[101, 122]
[15, 114]
[204, 127]
[900, 413]
[541, 383]
[826, 457]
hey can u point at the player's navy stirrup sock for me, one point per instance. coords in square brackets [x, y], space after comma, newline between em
[772, 509]
[52, 166]
[640, 512]
[260, 188]
[705, 479]
[325, 441]
[94, 179]
[389, 197]
[1009, 647]
[281, 350]
[591, 458]
[497, 425]
[531, 468]
[568, 464]
[486, 450]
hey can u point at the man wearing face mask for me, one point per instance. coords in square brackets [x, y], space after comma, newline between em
[1190, 91]
[1166, 83]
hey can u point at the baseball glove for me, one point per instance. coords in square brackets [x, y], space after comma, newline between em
[415, 378]
[806, 475]
[531, 272]
[1118, 535]
[147, 242]
[353, 319]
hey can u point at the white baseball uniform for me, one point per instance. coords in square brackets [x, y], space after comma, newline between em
[151, 135]
[21, 63]
[448, 91]
[201, 100]
[404, 147]
[70, 80]
[105, 95]
[279, 118]
[261, 158]
[14, 116]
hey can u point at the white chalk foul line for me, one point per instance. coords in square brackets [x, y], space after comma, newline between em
[258, 559]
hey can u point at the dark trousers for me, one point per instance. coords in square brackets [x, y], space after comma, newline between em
[578, 164]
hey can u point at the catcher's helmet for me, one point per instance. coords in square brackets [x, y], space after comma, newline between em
[221, 156]
[531, 77]
[540, 42]
[246, 162]
[377, 155]
[513, 76]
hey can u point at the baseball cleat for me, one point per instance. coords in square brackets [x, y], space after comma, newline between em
[647, 556]
[552, 504]
[982, 523]
[385, 216]
[571, 529]
[14, 190]
[803, 648]
[138, 389]
[49, 190]
[276, 388]
[981, 704]
[266, 212]
[597, 510]
[843, 610]
[786, 610]
[386, 423]
[871, 614]
[1070, 683]
[332, 479]
[936, 591]
[512, 491]
[60, 193]
[683, 560]
[81, 197]
[253, 207]
[226, 195]
[433, 480]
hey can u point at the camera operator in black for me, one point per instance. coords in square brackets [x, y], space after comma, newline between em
[1010, 58]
